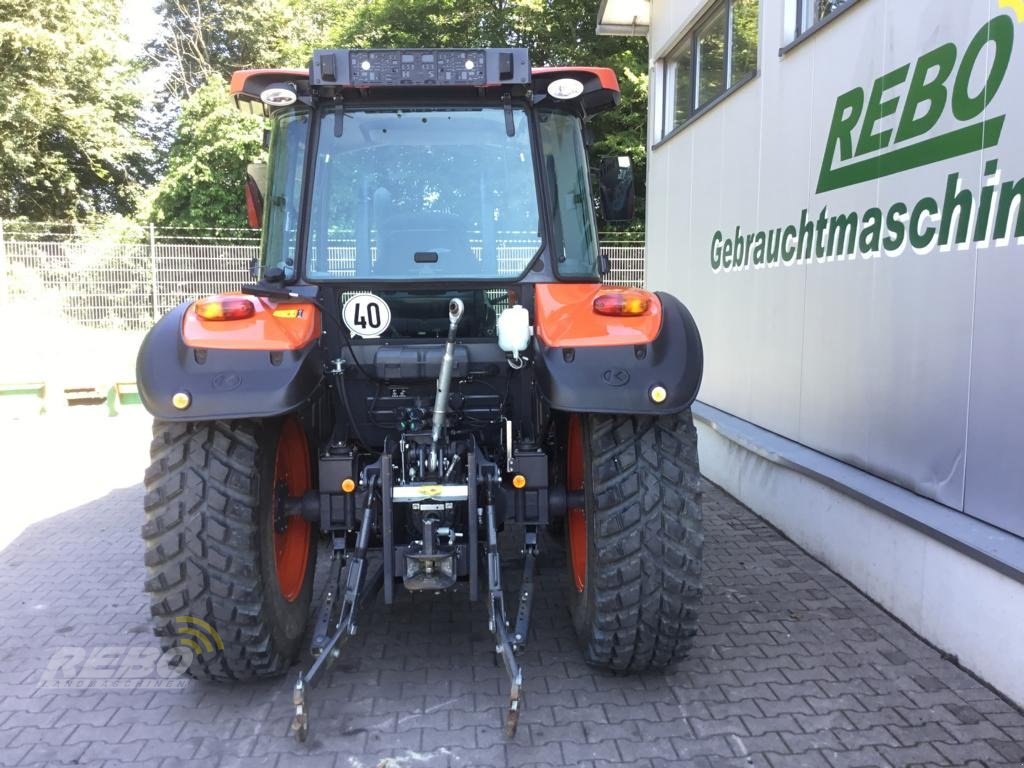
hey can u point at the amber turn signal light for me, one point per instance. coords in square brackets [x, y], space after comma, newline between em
[348, 485]
[622, 302]
[519, 482]
[225, 308]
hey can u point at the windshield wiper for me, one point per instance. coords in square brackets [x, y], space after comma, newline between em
[510, 123]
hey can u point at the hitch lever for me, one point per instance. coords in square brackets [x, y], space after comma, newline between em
[358, 590]
[499, 626]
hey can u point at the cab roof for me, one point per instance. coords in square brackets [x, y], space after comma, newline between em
[423, 74]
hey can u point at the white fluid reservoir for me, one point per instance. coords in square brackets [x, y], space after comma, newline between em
[514, 330]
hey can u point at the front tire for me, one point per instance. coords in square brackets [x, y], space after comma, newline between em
[635, 550]
[223, 582]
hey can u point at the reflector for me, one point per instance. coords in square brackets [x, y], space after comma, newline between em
[225, 308]
[623, 302]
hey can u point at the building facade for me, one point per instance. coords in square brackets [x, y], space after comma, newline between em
[836, 191]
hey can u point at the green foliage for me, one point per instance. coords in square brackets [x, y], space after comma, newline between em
[69, 147]
[204, 185]
[201, 38]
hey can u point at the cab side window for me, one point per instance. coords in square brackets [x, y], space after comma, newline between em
[568, 186]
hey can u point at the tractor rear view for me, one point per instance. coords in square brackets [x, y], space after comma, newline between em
[426, 362]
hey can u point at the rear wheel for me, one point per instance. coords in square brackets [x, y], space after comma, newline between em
[635, 548]
[224, 581]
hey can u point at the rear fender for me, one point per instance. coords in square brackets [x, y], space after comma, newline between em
[234, 369]
[579, 370]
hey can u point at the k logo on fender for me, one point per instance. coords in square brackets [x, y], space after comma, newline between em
[226, 381]
[616, 377]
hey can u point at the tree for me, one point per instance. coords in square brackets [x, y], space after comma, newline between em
[200, 38]
[204, 185]
[69, 147]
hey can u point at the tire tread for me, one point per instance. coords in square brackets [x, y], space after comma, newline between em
[202, 551]
[648, 540]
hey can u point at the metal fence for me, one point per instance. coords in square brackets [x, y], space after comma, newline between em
[129, 279]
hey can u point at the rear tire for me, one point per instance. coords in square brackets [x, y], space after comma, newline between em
[635, 551]
[212, 557]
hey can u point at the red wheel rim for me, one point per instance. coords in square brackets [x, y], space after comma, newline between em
[291, 546]
[576, 522]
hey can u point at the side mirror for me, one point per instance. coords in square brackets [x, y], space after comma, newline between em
[255, 190]
[618, 189]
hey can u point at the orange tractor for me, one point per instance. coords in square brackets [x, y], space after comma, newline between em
[426, 362]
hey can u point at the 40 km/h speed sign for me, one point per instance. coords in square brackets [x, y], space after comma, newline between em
[366, 315]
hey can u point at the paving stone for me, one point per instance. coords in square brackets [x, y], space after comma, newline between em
[181, 749]
[52, 755]
[801, 742]
[725, 725]
[865, 757]
[628, 729]
[51, 736]
[805, 760]
[884, 716]
[14, 755]
[97, 751]
[792, 667]
[921, 753]
[961, 754]
[688, 749]
[782, 723]
[1012, 751]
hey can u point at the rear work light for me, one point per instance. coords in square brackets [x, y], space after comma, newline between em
[225, 308]
[624, 302]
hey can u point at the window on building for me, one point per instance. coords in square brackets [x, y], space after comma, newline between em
[679, 85]
[717, 54]
[711, 58]
[812, 11]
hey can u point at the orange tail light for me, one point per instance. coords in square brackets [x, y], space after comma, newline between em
[225, 308]
[622, 302]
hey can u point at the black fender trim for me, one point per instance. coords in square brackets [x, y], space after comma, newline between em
[619, 379]
[223, 383]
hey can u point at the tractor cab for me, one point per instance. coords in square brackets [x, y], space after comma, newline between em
[437, 167]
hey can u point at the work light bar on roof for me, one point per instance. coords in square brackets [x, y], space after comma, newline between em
[377, 68]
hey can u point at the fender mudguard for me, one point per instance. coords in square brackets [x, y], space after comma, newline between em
[222, 383]
[619, 378]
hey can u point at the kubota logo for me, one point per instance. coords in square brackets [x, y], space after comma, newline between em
[916, 96]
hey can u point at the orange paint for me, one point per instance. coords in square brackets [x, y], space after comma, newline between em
[565, 317]
[239, 78]
[291, 546]
[576, 523]
[605, 76]
[270, 329]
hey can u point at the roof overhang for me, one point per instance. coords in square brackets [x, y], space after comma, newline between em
[598, 88]
[624, 17]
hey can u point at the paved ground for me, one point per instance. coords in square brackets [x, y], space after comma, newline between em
[793, 667]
